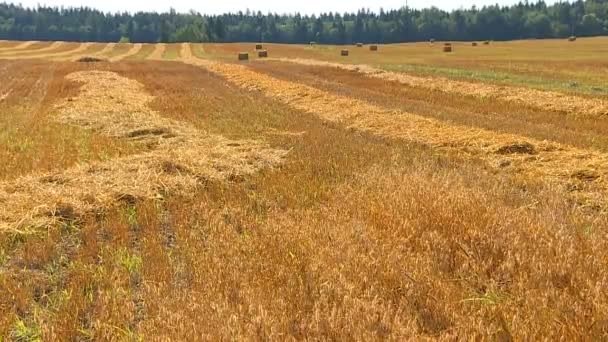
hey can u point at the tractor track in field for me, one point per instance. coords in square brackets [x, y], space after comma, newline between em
[539, 99]
[584, 173]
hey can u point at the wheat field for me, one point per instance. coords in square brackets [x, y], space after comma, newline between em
[171, 192]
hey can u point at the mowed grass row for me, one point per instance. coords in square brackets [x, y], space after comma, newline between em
[118, 49]
[26, 47]
[12, 45]
[92, 50]
[31, 141]
[488, 113]
[355, 237]
[112, 51]
[38, 48]
[55, 51]
[143, 54]
[572, 67]
[558, 65]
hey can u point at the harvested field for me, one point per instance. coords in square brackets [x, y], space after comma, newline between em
[186, 51]
[159, 51]
[76, 51]
[133, 51]
[546, 161]
[189, 196]
[118, 50]
[143, 53]
[488, 114]
[547, 100]
[35, 50]
[183, 158]
[13, 46]
[172, 51]
[93, 49]
[107, 50]
[552, 65]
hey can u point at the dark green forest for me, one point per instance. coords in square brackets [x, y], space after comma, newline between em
[524, 20]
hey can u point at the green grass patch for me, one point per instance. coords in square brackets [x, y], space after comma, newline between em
[172, 51]
[500, 77]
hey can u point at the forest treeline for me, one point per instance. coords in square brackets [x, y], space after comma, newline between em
[520, 21]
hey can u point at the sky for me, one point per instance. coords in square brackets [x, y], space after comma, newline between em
[279, 6]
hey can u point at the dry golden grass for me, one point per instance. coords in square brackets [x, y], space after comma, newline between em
[143, 53]
[186, 51]
[119, 49]
[387, 219]
[133, 51]
[540, 64]
[159, 51]
[36, 49]
[77, 50]
[172, 51]
[182, 158]
[544, 100]
[579, 131]
[106, 50]
[11, 46]
[582, 171]
[93, 49]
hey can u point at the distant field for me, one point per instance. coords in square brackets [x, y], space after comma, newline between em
[171, 192]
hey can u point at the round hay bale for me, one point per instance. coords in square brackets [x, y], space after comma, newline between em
[572, 38]
[447, 44]
[373, 48]
[447, 48]
[344, 52]
[474, 44]
[359, 44]
[263, 53]
[487, 42]
[243, 56]
[259, 47]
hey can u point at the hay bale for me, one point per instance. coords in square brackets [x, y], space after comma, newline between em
[359, 44]
[447, 48]
[474, 44]
[487, 42]
[518, 148]
[447, 44]
[89, 59]
[572, 38]
[259, 47]
[344, 52]
[243, 56]
[263, 54]
[373, 48]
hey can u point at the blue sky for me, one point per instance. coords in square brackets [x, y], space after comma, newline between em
[280, 6]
